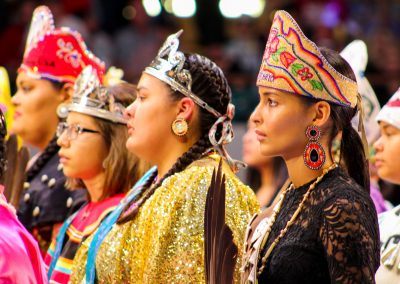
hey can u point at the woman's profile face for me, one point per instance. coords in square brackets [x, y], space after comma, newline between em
[82, 153]
[387, 147]
[281, 121]
[150, 118]
[36, 103]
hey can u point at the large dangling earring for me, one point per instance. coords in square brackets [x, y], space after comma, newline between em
[180, 126]
[314, 154]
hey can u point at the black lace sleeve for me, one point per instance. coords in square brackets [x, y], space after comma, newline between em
[349, 233]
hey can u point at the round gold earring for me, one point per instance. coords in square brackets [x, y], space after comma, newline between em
[180, 126]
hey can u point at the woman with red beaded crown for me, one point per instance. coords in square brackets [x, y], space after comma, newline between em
[324, 227]
[53, 59]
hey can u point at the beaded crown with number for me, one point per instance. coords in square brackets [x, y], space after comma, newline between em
[91, 98]
[58, 54]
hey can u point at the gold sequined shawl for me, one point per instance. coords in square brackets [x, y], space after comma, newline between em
[164, 243]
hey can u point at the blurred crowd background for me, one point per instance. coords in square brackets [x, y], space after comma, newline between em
[128, 33]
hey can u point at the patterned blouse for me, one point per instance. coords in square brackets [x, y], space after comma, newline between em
[334, 239]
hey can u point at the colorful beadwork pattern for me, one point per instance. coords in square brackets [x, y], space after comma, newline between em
[56, 54]
[294, 64]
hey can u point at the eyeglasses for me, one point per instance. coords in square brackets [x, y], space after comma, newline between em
[73, 130]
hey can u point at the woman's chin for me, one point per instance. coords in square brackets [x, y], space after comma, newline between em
[131, 145]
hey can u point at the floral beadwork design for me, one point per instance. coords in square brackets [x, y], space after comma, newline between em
[272, 44]
[287, 59]
[305, 73]
[69, 53]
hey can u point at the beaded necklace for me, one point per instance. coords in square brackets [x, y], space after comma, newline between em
[292, 219]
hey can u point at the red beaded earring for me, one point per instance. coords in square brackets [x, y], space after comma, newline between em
[314, 154]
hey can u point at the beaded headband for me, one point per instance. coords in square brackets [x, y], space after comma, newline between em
[294, 64]
[56, 54]
[168, 67]
[93, 99]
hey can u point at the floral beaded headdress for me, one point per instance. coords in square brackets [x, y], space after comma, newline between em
[168, 67]
[390, 112]
[56, 54]
[294, 64]
[93, 99]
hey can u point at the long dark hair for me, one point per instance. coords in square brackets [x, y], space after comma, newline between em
[3, 154]
[208, 83]
[352, 155]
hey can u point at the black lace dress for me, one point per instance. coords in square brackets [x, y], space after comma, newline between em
[334, 239]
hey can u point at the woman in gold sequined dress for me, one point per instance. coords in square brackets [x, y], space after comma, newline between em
[180, 120]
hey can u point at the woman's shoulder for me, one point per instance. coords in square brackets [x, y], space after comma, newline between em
[389, 223]
[339, 185]
[204, 168]
[197, 177]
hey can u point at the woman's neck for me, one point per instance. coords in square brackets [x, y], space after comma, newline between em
[41, 140]
[95, 186]
[268, 178]
[166, 160]
[300, 174]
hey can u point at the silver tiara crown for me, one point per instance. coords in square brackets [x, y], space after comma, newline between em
[168, 67]
[91, 98]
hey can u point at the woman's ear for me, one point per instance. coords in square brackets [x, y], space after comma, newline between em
[185, 108]
[66, 93]
[322, 112]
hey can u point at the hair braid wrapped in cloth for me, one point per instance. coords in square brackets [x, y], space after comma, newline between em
[225, 121]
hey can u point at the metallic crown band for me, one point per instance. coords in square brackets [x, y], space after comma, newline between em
[91, 98]
[168, 67]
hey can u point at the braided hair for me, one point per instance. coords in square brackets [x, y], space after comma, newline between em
[51, 149]
[210, 84]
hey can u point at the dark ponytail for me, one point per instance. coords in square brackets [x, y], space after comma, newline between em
[208, 83]
[352, 155]
[355, 161]
[3, 149]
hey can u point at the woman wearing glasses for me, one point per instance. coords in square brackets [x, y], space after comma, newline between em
[53, 59]
[94, 156]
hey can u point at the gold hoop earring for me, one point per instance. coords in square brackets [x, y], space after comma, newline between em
[180, 127]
